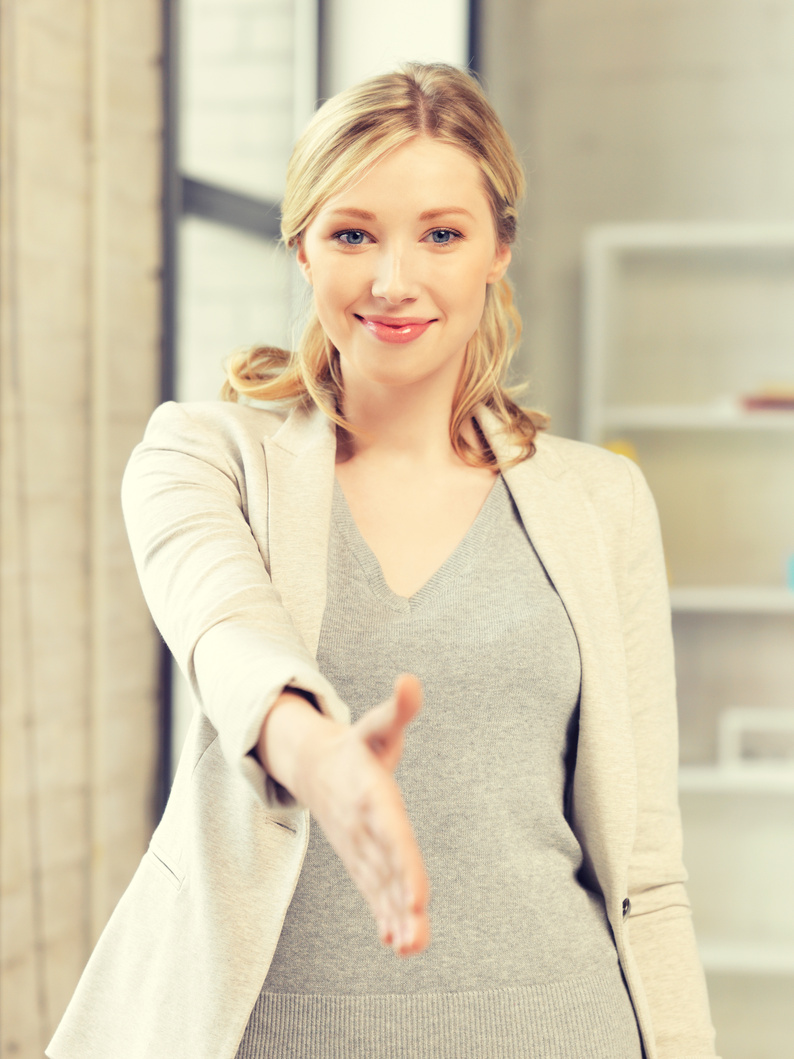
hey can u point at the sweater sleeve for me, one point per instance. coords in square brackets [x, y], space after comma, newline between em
[660, 928]
[205, 579]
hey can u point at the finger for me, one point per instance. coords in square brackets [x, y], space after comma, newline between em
[407, 702]
[382, 892]
[393, 837]
[387, 748]
[382, 727]
[383, 857]
[394, 886]
[360, 809]
[394, 713]
[371, 855]
[417, 937]
[407, 697]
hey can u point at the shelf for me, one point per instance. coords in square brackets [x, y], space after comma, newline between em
[748, 778]
[723, 416]
[703, 236]
[732, 599]
[746, 957]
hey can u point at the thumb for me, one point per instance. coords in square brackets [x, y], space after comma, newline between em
[407, 698]
[383, 726]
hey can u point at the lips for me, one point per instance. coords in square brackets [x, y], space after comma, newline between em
[395, 328]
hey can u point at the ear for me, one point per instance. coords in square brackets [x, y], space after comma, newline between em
[501, 260]
[303, 261]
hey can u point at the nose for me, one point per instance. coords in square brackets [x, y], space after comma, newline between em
[395, 278]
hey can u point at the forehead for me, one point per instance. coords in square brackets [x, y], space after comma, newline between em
[415, 173]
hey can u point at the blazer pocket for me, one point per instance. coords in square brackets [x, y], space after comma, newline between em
[166, 866]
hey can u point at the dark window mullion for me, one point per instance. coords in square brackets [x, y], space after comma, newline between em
[475, 13]
[234, 209]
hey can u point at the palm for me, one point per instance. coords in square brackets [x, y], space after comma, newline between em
[352, 794]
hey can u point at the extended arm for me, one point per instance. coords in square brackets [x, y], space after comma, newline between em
[203, 570]
[204, 575]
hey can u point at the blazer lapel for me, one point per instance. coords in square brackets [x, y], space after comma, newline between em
[565, 531]
[300, 477]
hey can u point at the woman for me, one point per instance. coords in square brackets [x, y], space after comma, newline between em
[394, 528]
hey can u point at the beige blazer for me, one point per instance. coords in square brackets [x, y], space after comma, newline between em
[228, 509]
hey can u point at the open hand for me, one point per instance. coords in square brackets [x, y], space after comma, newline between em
[345, 777]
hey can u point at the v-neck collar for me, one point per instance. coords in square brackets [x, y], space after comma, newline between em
[461, 556]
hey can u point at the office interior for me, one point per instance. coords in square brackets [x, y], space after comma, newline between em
[143, 145]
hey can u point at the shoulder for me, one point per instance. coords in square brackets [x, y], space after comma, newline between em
[184, 441]
[225, 431]
[218, 419]
[597, 469]
[614, 485]
[237, 440]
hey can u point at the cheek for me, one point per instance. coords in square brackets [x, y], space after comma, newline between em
[337, 286]
[332, 300]
[470, 288]
[329, 295]
[468, 280]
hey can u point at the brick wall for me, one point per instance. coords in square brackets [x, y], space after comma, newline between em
[237, 92]
[238, 113]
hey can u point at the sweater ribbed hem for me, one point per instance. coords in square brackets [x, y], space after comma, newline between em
[588, 1017]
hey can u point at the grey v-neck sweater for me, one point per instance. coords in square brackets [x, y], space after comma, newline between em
[521, 961]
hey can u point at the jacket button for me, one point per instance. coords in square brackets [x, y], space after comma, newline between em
[626, 907]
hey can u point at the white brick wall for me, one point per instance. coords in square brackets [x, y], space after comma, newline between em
[235, 292]
[236, 112]
[238, 120]
[365, 38]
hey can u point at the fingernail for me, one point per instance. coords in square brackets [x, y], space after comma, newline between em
[406, 935]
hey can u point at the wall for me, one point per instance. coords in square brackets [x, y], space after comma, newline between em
[79, 355]
[364, 38]
[238, 96]
[237, 82]
[629, 110]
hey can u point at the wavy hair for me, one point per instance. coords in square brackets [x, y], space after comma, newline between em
[349, 134]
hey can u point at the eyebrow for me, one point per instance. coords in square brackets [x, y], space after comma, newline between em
[428, 215]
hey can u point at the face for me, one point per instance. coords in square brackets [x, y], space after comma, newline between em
[400, 263]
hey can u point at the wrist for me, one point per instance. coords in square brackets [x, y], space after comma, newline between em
[290, 729]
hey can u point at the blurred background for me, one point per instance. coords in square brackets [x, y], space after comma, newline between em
[143, 146]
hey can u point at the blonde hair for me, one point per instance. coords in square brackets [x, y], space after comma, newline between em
[348, 135]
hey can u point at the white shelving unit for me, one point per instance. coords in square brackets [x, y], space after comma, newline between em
[681, 324]
[721, 415]
[748, 778]
[737, 958]
[732, 599]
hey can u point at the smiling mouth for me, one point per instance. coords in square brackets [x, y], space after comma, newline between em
[394, 329]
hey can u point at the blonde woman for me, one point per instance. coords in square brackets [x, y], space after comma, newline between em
[413, 618]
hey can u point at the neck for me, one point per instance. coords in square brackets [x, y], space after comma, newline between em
[408, 424]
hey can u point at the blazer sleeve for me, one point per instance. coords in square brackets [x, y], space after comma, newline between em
[660, 930]
[206, 582]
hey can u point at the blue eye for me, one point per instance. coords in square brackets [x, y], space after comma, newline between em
[443, 236]
[352, 237]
